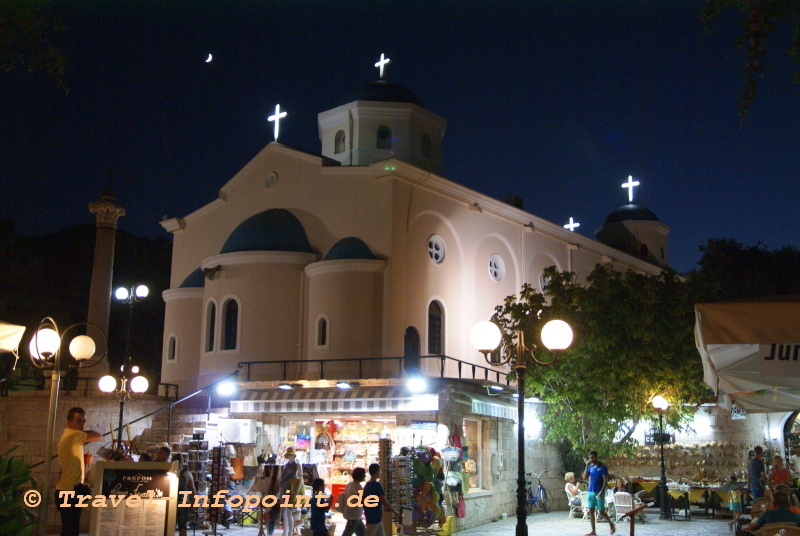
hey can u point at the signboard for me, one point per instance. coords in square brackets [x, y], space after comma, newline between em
[133, 499]
[779, 360]
[737, 413]
[423, 425]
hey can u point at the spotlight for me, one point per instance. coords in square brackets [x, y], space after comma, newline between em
[346, 385]
[416, 384]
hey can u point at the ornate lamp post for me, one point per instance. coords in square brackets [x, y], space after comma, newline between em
[485, 337]
[46, 354]
[126, 389]
[660, 403]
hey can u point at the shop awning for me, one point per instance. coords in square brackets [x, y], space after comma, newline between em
[749, 351]
[490, 406]
[10, 336]
[333, 401]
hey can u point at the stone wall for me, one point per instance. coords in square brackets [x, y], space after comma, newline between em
[23, 417]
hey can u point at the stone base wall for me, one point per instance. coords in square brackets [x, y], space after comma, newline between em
[23, 422]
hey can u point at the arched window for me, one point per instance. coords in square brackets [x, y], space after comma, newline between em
[411, 350]
[172, 348]
[384, 137]
[425, 145]
[435, 329]
[230, 325]
[211, 323]
[339, 142]
[322, 331]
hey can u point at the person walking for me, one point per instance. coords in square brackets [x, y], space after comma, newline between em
[185, 483]
[73, 470]
[756, 474]
[352, 514]
[374, 514]
[597, 474]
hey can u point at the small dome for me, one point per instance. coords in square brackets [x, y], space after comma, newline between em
[194, 280]
[631, 212]
[275, 229]
[382, 91]
[349, 248]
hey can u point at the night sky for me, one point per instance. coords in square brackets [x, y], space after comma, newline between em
[556, 102]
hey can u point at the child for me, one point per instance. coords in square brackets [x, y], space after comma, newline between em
[320, 504]
[374, 514]
[735, 503]
[353, 513]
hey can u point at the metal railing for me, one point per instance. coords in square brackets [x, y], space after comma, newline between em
[463, 368]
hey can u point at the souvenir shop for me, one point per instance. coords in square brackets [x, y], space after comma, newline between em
[429, 461]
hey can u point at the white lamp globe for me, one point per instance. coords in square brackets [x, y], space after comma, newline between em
[416, 384]
[44, 343]
[485, 336]
[82, 347]
[142, 291]
[135, 369]
[121, 294]
[107, 384]
[557, 335]
[659, 402]
[139, 384]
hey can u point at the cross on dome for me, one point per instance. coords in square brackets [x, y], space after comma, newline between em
[382, 63]
[572, 225]
[277, 117]
[630, 184]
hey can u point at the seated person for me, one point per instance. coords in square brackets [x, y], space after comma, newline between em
[572, 489]
[620, 486]
[781, 513]
[771, 498]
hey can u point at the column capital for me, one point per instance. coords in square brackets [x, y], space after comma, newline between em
[107, 212]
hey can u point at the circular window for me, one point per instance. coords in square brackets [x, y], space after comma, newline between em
[496, 267]
[436, 249]
[271, 180]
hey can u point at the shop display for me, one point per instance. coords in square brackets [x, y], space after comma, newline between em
[194, 455]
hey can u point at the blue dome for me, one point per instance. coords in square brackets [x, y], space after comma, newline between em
[382, 91]
[194, 280]
[349, 248]
[275, 229]
[631, 212]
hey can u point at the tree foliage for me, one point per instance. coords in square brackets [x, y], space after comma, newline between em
[26, 29]
[761, 19]
[633, 340]
[15, 477]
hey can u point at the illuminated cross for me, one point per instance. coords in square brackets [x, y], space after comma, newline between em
[630, 184]
[571, 225]
[277, 117]
[381, 63]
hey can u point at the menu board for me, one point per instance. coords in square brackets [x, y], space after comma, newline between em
[133, 499]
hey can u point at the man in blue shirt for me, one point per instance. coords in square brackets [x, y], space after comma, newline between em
[597, 474]
[781, 513]
[756, 474]
[374, 513]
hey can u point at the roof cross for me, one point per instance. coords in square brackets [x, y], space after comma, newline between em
[277, 117]
[630, 184]
[382, 63]
[572, 225]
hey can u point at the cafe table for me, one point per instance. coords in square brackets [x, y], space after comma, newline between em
[683, 504]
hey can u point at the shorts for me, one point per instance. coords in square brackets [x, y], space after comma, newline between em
[736, 507]
[596, 501]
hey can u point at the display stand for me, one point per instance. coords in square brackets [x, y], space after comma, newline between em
[194, 456]
[219, 481]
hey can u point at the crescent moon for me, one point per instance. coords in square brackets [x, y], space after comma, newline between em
[209, 58]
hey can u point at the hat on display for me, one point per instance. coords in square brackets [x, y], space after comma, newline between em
[289, 452]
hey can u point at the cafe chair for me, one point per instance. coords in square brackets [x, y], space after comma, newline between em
[773, 529]
[575, 510]
[624, 503]
[584, 502]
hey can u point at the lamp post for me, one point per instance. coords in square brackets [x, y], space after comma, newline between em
[46, 354]
[485, 337]
[126, 389]
[660, 403]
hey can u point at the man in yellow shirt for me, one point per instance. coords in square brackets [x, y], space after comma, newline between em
[73, 470]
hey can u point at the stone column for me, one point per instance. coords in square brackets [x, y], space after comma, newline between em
[107, 212]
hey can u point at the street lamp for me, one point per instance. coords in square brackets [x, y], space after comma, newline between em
[485, 337]
[660, 403]
[45, 354]
[126, 389]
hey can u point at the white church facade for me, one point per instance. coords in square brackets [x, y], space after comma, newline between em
[336, 266]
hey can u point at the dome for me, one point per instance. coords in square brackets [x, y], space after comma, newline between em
[349, 248]
[194, 280]
[382, 91]
[631, 212]
[275, 229]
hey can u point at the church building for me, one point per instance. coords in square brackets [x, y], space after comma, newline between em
[328, 280]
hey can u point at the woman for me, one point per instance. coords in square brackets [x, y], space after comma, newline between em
[572, 489]
[185, 483]
[620, 486]
[779, 474]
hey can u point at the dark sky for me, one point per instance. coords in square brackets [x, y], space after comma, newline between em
[557, 102]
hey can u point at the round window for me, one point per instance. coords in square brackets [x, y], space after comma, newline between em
[436, 249]
[496, 267]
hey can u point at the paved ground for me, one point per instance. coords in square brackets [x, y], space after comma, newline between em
[557, 524]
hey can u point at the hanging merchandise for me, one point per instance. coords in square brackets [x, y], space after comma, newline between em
[303, 441]
[461, 509]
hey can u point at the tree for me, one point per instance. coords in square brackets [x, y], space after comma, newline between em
[761, 19]
[633, 340]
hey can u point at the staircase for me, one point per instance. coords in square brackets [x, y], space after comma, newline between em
[186, 417]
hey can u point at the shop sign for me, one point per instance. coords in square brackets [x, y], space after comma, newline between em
[429, 426]
[779, 360]
[737, 413]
